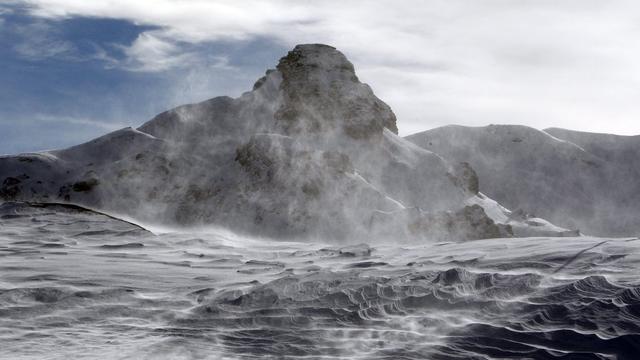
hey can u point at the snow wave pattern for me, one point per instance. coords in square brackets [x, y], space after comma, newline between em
[87, 286]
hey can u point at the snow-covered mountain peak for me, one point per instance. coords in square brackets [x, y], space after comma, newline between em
[309, 152]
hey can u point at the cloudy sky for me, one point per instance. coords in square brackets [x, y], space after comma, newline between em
[71, 70]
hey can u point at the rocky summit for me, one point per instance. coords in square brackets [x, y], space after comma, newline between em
[310, 152]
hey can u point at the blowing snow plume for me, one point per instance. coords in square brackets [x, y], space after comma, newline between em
[309, 152]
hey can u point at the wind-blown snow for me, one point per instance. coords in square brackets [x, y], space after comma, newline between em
[309, 152]
[576, 180]
[76, 284]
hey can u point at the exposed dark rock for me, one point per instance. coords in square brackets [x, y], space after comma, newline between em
[85, 185]
[10, 188]
[470, 222]
[11, 181]
[466, 177]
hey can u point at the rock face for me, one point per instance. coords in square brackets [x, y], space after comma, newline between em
[322, 95]
[574, 179]
[309, 152]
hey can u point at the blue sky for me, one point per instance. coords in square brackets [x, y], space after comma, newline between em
[68, 80]
[71, 70]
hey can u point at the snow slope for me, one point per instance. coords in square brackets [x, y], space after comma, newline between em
[576, 180]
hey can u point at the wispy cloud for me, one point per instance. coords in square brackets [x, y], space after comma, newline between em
[7, 7]
[42, 40]
[39, 41]
[45, 132]
[542, 63]
[54, 119]
[152, 51]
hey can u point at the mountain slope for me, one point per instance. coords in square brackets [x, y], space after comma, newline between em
[576, 180]
[309, 152]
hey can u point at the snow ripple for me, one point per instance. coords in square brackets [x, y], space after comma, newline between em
[82, 285]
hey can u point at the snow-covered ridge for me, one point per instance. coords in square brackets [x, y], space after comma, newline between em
[577, 180]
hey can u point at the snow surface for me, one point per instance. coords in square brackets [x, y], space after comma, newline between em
[75, 284]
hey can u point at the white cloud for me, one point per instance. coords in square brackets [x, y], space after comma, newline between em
[154, 51]
[151, 51]
[541, 63]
